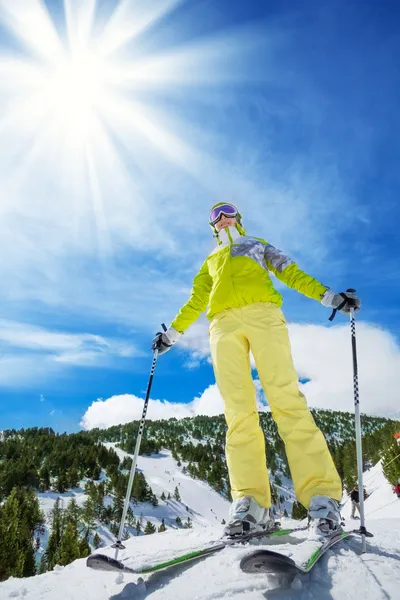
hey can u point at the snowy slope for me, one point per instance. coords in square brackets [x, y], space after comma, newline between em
[163, 475]
[198, 501]
[340, 575]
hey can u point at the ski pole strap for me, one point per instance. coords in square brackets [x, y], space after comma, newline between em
[346, 300]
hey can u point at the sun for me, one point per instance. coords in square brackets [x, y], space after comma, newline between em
[73, 90]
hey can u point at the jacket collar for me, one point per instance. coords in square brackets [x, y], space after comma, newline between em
[228, 236]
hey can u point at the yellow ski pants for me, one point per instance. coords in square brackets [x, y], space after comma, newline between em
[261, 328]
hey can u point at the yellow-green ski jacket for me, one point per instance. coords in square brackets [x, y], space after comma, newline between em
[236, 274]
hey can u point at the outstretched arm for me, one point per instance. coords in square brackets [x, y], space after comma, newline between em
[197, 302]
[189, 312]
[289, 273]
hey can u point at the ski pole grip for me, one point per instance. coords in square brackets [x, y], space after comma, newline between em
[346, 300]
[350, 301]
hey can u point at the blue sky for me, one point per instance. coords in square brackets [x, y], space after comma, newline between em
[122, 123]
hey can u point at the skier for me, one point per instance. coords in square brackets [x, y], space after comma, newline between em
[355, 503]
[244, 310]
[397, 488]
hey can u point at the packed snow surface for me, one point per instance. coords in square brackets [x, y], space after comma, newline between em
[343, 573]
[340, 575]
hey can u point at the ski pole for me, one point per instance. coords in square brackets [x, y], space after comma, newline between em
[362, 529]
[118, 544]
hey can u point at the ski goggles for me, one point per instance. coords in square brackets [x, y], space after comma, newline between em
[228, 210]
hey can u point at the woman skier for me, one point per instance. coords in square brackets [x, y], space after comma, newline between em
[244, 310]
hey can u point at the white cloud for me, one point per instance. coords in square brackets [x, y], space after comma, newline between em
[126, 408]
[32, 337]
[33, 354]
[323, 355]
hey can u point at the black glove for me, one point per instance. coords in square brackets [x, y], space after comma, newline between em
[164, 340]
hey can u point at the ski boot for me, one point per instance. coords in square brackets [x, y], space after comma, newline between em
[245, 515]
[324, 517]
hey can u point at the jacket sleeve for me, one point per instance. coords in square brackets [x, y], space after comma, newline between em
[197, 302]
[286, 270]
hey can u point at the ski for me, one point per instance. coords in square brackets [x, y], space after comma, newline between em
[107, 563]
[269, 561]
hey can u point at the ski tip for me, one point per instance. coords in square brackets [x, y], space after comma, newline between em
[267, 561]
[101, 562]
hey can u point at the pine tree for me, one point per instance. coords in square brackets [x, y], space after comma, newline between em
[176, 494]
[84, 548]
[298, 511]
[130, 517]
[73, 477]
[162, 526]
[52, 554]
[69, 547]
[150, 528]
[44, 476]
[73, 513]
[178, 521]
[118, 507]
[61, 484]
[88, 517]
[96, 541]
[162, 496]
[11, 557]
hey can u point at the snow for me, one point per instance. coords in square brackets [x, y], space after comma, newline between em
[206, 507]
[342, 574]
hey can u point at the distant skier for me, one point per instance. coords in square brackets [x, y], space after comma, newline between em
[397, 488]
[244, 310]
[355, 502]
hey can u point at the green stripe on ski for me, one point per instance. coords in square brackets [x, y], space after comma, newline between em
[279, 532]
[203, 552]
[174, 561]
[318, 553]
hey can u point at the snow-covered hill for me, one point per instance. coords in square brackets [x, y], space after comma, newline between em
[342, 574]
[198, 501]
